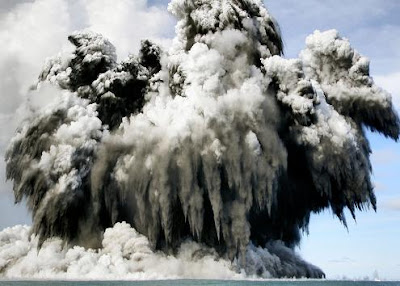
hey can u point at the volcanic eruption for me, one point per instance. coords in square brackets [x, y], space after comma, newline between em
[220, 141]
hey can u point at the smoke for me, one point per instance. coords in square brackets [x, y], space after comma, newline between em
[31, 30]
[219, 146]
[126, 254]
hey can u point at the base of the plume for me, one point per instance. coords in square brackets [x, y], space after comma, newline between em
[126, 255]
[277, 260]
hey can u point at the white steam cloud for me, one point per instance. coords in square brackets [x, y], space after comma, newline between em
[127, 255]
[215, 152]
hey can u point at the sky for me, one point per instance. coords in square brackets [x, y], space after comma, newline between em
[32, 30]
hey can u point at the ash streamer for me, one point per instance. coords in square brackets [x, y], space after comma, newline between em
[221, 140]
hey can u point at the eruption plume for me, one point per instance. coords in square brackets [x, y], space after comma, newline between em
[220, 140]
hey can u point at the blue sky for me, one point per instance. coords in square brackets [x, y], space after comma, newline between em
[373, 28]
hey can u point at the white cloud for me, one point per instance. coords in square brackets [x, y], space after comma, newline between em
[391, 83]
[29, 33]
[7, 5]
[126, 22]
[392, 204]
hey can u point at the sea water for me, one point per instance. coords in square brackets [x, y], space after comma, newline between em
[203, 283]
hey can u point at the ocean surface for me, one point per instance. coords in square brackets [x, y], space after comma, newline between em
[203, 283]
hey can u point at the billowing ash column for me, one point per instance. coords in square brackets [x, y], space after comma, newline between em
[221, 140]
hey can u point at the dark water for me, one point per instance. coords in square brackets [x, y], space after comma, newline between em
[201, 283]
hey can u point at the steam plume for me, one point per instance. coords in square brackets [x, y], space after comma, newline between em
[220, 140]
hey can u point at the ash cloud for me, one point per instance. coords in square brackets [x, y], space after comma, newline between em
[219, 140]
